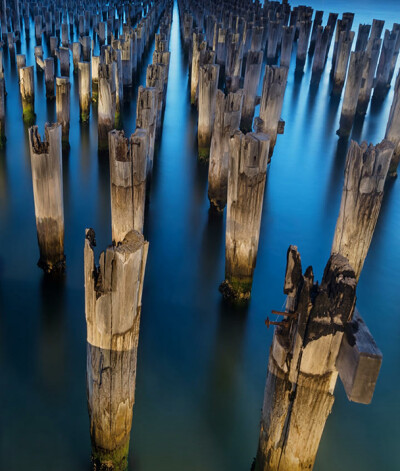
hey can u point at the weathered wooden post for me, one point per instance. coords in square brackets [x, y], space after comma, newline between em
[320, 51]
[273, 37]
[372, 53]
[86, 43]
[382, 79]
[113, 299]
[362, 37]
[84, 90]
[342, 60]
[302, 373]
[314, 32]
[198, 45]
[246, 184]
[63, 92]
[365, 174]
[48, 196]
[352, 91]
[227, 119]
[251, 80]
[208, 85]
[393, 128]
[63, 57]
[95, 77]
[27, 89]
[53, 45]
[76, 55]
[302, 44]
[128, 173]
[107, 103]
[21, 62]
[155, 78]
[287, 44]
[64, 35]
[49, 77]
[234, 62]
[146, 119]
[273, 93]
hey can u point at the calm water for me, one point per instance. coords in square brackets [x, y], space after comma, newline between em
[202, 364]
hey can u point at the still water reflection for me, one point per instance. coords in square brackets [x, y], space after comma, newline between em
[201, 364]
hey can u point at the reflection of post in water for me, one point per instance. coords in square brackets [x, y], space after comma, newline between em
[113, 293]
[52, 346]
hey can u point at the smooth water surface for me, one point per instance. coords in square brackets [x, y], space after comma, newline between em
[201, 363]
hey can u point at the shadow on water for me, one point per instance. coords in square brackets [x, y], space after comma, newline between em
[52, 349]
[336, 175]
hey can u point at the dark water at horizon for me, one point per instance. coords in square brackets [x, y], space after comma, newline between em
[201, 363]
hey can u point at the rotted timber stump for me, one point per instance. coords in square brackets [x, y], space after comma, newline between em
[128, 172]
[302, 371]
[208, 85]
[84, 90]
[48, 196]
[113, 298]
[107, 104]
[227, 119]
[246, 184]
[273, 93]
[63, 92]
[27, 89]
[364, 180]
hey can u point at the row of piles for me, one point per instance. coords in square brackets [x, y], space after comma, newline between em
[113, 289]
[226, 47]
[322, 334]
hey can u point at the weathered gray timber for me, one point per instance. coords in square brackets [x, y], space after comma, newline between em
[372, 52]
[396, 29]
[49, 77]
[287, 44]
[198, 45]
[53, 45]
[27, 89]
[352, 91]
[21, 62]
[302, 43]
[155, 78]
[343, 26]
[320, 51]
[365, 174]
[84, 90]
[342, 60]
[146, 118]
[251, 80]
[113, 299]
[227, 119]
[246, 183]
[48, 196]
[302, 373]
[317, 22]
[273, 93]
[128, 172]
[382, 79]
[64, 35]
[95, 77]
[393, 128]
[359, 361]
[208, 85]
[86, 43]
[362, 37]
[234, 61]
[63, 57]
[273, 37]
[63, 92]
[106, 104]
